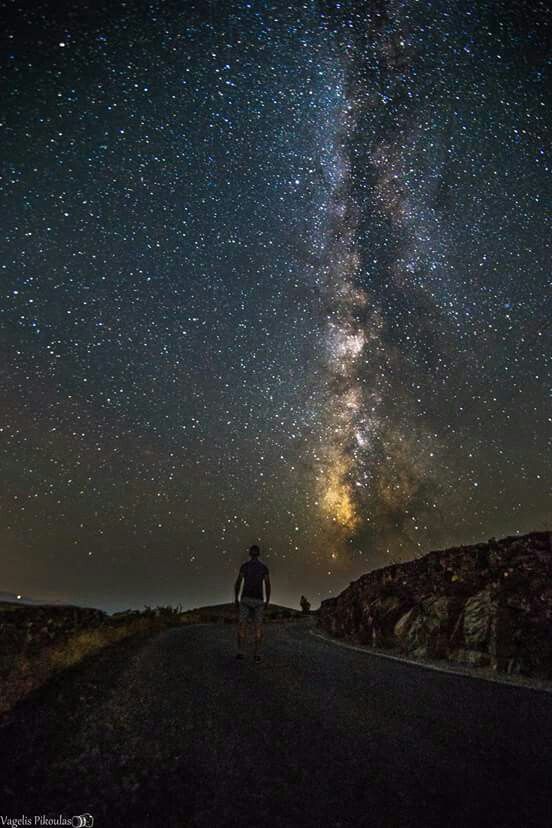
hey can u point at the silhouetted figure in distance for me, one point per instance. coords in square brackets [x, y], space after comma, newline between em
[252, 605]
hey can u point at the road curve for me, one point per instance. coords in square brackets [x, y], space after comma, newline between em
[174, 731]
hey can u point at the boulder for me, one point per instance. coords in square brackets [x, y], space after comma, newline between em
[383, 614]
[478, 613]
[425, 630]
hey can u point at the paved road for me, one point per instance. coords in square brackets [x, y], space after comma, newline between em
[174, 731]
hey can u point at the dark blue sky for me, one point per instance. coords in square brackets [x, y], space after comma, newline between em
[272, 273]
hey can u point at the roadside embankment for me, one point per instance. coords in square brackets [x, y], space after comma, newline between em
[485, 605]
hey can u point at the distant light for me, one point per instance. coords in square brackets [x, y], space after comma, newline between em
[19, 597]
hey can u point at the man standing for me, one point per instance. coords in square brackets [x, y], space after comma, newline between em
[253, 572]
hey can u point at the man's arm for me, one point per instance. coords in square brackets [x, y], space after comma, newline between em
[237, 586]
[267, 589]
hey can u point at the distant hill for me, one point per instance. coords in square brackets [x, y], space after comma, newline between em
[227, 613]
[231, 605]
[14, 598]
[214, 610]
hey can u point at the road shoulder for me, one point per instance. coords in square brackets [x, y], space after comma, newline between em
[443, 667]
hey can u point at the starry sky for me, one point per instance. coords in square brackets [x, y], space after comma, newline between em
[272, 272]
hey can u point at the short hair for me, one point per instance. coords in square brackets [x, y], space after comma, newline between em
[254, 550]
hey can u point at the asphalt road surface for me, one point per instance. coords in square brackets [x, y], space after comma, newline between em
[174, 731]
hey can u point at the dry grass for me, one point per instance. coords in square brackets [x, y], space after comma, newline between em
[89, 641]
[30, 669]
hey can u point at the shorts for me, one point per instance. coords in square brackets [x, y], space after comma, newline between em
[251, 608]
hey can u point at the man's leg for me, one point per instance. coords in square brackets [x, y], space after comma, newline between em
[258, 636]
[242, 623]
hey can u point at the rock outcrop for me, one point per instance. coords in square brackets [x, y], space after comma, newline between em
[487, 605]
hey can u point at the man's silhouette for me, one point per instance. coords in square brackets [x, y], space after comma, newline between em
[253, 572]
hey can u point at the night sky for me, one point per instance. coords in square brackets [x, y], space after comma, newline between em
[272, 272]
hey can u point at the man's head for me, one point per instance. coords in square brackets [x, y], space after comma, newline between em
[254, 551]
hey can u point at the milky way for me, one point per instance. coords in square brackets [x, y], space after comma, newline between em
[273, 273]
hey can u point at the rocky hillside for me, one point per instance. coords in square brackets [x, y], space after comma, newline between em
[487, 605]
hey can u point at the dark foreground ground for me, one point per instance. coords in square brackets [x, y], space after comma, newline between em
[173, 731]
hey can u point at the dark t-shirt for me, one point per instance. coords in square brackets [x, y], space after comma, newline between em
[253, 571]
